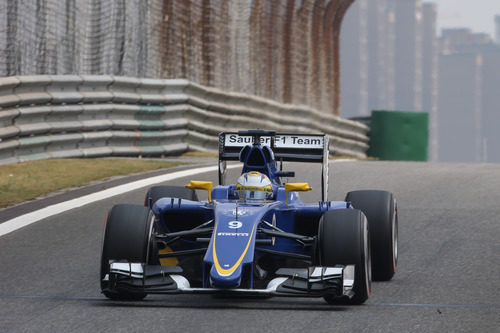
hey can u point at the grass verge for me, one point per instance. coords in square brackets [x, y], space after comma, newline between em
[29, 180]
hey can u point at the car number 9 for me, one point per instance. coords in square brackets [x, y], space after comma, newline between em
[235, 224]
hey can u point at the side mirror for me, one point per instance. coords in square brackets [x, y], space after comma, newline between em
[296, 187]
[201, 185]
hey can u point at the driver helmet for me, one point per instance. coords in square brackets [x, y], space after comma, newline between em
[254, 185]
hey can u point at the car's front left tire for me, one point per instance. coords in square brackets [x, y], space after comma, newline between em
[381, 210]
[343, 239]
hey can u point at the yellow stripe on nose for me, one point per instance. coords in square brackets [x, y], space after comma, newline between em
[229, 271]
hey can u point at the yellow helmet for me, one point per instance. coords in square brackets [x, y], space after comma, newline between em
[254, 185]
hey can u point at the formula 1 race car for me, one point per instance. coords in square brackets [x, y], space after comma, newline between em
[255, 237]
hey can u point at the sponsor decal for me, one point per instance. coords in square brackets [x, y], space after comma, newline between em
[236, 234]
[280, 141]
[239, 212]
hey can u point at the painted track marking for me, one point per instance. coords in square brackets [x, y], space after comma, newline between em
[483, 306]
[35, 216]
[30, 218]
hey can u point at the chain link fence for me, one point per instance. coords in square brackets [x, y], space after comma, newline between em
[285, 50]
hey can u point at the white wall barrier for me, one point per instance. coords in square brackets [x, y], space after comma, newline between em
[57, 116]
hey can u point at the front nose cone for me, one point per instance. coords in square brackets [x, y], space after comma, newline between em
[223, 281]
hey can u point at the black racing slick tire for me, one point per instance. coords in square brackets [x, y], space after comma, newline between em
[127, 237]
[158, 192]
[381, 210]
[343, 239]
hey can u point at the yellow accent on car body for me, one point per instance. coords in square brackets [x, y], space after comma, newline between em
[201, 185]
[296, 187]
[229, 271]
[172, 261]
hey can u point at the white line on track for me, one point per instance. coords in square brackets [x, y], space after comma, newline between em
[27, 219]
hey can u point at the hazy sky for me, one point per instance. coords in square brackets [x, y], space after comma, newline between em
[475, 14]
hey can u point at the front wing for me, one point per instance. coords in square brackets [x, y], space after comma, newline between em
[297, 282]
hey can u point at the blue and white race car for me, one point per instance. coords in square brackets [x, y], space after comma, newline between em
[255, 237]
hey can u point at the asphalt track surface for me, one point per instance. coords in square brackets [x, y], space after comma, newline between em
[448, 277]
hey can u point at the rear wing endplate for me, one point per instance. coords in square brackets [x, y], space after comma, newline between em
[312, 148]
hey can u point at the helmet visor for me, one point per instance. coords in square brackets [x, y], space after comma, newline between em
[254, 193]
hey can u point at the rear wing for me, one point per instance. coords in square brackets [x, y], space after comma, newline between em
[312, 148]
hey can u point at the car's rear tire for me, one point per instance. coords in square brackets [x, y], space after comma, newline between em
[161, 191]
[127, 237]
[343, 239]
[381, 210]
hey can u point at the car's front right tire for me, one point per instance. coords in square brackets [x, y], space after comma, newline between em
[127, 237]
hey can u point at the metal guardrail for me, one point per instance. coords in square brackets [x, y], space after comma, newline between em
[91, 116]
